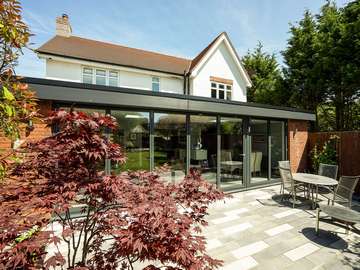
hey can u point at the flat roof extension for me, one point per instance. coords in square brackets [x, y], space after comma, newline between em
[92, 94]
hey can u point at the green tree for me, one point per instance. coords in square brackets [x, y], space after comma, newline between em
[17, 103]
[340, 59]
[323, 65]
[302, 70]
[266, 77]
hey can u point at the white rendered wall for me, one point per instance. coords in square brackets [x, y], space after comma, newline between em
[144, 81]
[219, 64]
[63, 71]
[70, 71]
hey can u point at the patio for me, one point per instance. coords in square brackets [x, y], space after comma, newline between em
[255, 230]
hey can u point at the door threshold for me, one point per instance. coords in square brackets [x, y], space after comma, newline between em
[252, 187]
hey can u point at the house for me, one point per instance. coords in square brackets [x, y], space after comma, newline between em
[188, 113]
[76, 59]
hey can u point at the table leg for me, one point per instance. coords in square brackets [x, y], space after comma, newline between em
[317, 221]
[312, 197]
[317, 192]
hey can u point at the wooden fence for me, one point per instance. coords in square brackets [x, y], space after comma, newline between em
[348, 150]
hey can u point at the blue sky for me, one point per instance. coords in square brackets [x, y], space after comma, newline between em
[182, 28]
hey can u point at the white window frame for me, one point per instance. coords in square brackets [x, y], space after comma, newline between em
[216, 86]
[117, 77]
[83, 73]
[156, 82]
[107, 75]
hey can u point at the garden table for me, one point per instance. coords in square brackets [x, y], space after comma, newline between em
[232, 165]
[314, 180]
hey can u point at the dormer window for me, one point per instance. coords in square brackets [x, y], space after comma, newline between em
[221, 90]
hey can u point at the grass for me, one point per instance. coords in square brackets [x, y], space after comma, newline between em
[141, 161]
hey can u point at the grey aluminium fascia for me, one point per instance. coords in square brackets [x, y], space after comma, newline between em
[78, 95]
[70, 92]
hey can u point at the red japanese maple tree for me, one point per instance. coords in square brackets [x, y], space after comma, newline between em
[125, 218]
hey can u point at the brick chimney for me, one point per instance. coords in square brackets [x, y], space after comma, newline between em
[63, 27]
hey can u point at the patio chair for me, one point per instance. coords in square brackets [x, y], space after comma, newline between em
[226, 155]
[343, 191]
[328, 170]
[288, 182]
[252, 162]
[257, 164]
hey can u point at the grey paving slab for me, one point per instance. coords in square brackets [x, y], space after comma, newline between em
[301, 264]
[329, 252]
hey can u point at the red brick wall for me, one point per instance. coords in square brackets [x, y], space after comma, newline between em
[40, 130]
[298, 144]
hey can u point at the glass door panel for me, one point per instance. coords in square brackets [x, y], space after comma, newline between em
[231, 153]
[203, 146]
[259, 151]
[170, 144]
[133, 135]
[277, 133]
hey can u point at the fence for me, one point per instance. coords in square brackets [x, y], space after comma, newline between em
[348, 150]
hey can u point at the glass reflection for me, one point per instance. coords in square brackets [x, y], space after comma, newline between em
[259, 151]
[170, 144]
[277, 133]
[204, 145]
[232, 158]
[133, 135]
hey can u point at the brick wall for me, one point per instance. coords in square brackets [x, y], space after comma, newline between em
[40, 130]
[298, 144]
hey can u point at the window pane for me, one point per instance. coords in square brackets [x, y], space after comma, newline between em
[155, 87]
[228, 95]
[213, 93]
[133, 136]
[228, 87]
[213, 85]
[87, 79]
[170, 144]
[113, 74]
[87, 71]
[87, 75]
[221, 94]
[100, 77]
[155, 84]
[221, 86]
[100, 72]
[204, 146]
[113, 81]
[100, 80]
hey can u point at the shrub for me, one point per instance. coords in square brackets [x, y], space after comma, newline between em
[327, 154]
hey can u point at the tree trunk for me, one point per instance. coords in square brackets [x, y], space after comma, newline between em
[339, 110]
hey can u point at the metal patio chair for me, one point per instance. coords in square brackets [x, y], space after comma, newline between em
[288, 182]
[343, 191]
[328, 170]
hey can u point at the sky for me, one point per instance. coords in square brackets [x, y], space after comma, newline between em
[178, 27]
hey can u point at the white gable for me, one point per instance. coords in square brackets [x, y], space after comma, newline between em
[220, 61]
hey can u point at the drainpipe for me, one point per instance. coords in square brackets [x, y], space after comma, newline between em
[185, 84]
[188, 83]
